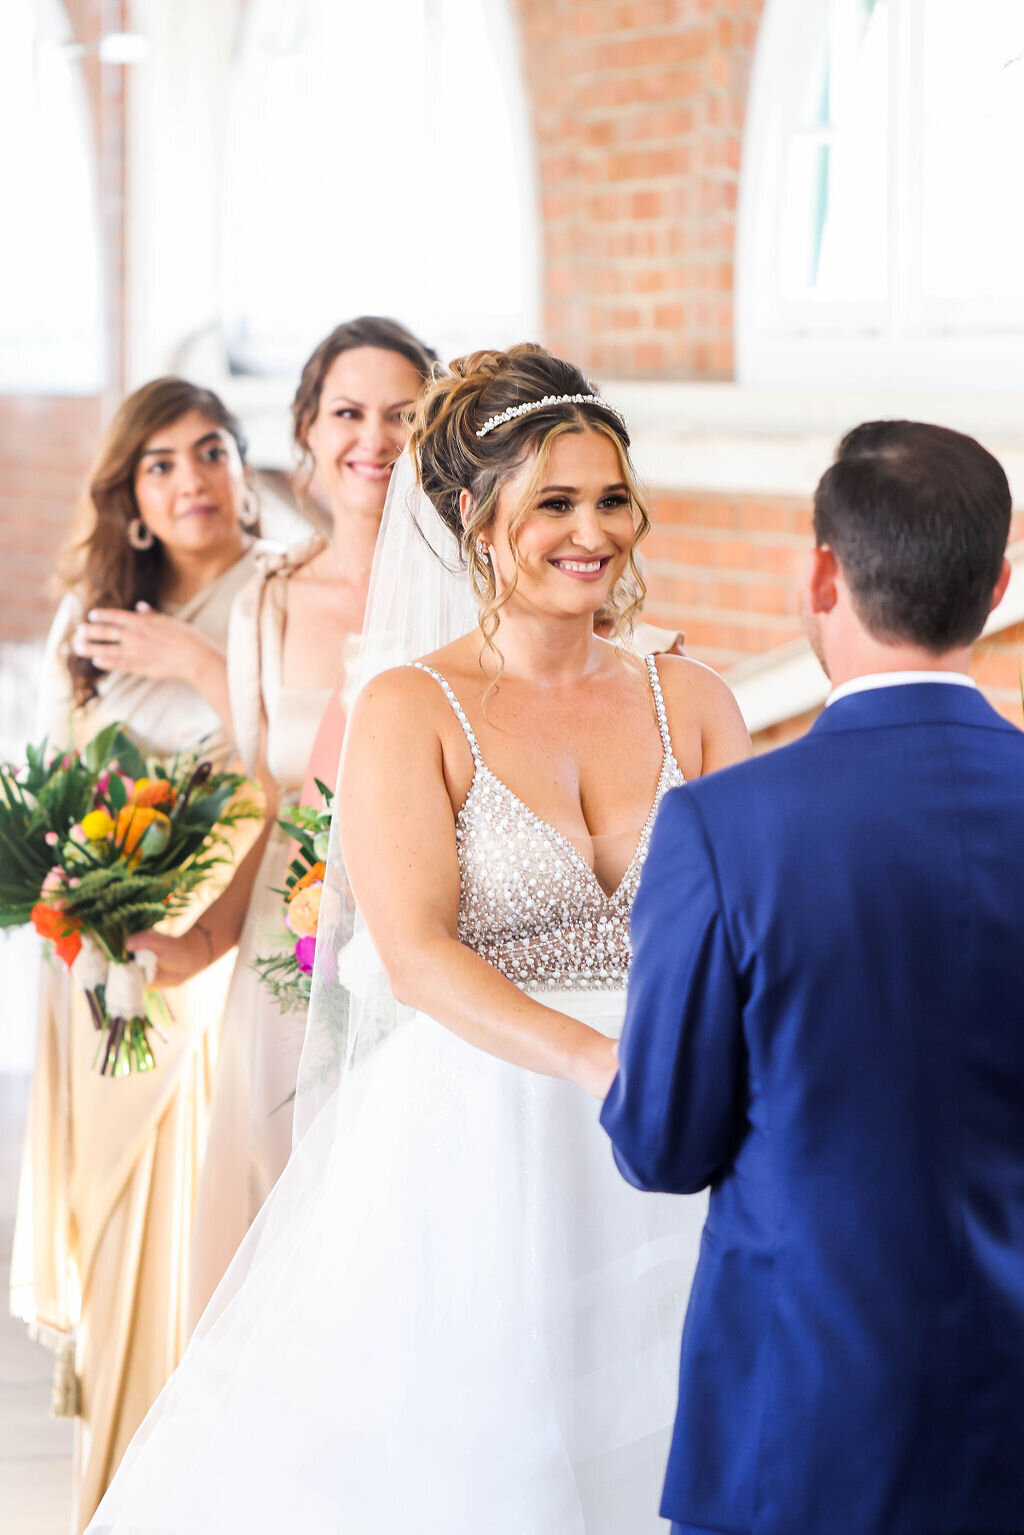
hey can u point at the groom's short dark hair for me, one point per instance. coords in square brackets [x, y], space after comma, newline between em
[918, 517]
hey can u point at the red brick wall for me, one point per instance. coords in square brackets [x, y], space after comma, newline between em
[997, 669]
[638, 110]
[726, 570]
[46, 446]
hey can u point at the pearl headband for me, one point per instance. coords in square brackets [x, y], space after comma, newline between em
[549, 399]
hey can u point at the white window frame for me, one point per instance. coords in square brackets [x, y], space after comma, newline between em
[908, 341]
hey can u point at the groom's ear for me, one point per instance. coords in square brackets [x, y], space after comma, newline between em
[822, 580]
[999, 590]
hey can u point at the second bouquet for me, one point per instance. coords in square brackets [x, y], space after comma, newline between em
[101, 844]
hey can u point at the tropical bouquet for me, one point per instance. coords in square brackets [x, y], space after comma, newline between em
[288, 973]
[100, 844]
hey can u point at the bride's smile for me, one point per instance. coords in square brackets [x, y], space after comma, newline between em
[566, 543]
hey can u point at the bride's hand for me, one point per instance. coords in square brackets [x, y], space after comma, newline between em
[596, 1065]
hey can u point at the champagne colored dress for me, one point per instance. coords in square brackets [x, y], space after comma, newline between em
[110, 1173]
[251, 1115]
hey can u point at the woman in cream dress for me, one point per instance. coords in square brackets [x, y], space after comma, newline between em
[291, 631]
[111, 1167]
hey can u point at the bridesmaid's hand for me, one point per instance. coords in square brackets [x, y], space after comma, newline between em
[145, 643]
[596, 1065]
[178, 958]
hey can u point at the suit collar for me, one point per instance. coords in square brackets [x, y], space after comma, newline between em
[911, 703]
[873, 680]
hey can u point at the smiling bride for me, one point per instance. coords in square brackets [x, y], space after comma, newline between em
[452, 1314]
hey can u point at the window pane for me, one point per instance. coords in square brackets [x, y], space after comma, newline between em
[49, 260]
[834, 224]
[973, 214]
[355, 186]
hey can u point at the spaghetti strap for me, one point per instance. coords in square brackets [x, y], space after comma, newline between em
[460, 713]
[659, 704]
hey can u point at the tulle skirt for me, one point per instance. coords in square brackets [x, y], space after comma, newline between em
[452, 1316]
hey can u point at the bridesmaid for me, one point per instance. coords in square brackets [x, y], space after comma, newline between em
[291, 631]
[108, 1190]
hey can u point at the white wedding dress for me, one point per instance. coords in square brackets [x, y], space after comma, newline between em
[452, 1316]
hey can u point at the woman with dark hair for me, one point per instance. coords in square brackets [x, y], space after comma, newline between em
[108, 1188]
[292, 630]
[453, 1315]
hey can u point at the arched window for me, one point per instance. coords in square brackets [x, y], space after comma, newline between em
[881, 223]
[378, 161]
[50, 339]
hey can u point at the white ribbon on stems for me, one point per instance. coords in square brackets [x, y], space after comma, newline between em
[125, 992]
[90, 967]
[124, 985]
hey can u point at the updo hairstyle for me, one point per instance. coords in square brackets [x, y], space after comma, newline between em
[452, 458]
[368, 330]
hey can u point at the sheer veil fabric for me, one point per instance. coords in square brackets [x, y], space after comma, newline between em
[451, 1314]
[419, 601]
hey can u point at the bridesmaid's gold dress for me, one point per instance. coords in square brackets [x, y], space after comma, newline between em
[111, 1168]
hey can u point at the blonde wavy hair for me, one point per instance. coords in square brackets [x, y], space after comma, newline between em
[451, 458]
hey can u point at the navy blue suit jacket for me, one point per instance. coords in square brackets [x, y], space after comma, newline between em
[826, 1024]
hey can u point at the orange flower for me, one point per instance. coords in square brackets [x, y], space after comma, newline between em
[62, 930]
[310, 877]
[155, 793]
[132, 822]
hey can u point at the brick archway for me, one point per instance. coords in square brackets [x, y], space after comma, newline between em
[638, 110]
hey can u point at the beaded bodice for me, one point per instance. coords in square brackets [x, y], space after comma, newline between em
[529, 902]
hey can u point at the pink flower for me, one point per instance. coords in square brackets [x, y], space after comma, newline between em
[103, 786]
[53, 881]
[305, 950]
[51, 839]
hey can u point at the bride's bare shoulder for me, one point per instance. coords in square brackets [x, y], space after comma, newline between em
[684, 677]
[403, 698]
[695, 695]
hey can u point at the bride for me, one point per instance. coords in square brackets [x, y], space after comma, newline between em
[452, 1315]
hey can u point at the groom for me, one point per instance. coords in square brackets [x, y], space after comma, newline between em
[826, 1024]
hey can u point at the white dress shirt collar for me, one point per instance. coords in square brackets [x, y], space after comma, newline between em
[895, 680]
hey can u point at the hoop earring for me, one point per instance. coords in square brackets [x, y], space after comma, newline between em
[249, 515]
[139, 536]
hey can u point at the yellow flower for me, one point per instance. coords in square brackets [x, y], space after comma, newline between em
[304, 912]
[97, 825]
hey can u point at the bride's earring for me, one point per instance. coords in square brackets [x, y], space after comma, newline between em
[139, 536]
[249, 515]
[483, 550]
